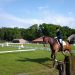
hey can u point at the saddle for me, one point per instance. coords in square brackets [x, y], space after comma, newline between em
[61, 45]
[63, 42]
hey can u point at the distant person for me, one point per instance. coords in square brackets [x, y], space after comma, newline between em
[59, 37]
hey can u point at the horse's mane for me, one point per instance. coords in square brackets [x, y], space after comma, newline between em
[50, 37]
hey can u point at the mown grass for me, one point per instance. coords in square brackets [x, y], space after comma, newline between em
[73, 47]
[28, 63]
[73, 50]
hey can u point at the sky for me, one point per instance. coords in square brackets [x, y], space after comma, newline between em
[24, 13]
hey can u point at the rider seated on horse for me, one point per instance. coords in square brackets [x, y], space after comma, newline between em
[59, 37]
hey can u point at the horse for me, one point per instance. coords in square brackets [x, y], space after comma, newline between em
[55, 46]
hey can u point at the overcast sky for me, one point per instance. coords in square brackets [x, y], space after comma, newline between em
[24, 13]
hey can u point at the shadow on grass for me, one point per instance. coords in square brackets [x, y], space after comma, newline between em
[44, 61]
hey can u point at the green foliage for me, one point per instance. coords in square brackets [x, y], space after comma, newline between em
[34, 31]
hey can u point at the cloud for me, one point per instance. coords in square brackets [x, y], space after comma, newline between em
[45, 15]
[70, 13]
[65, 21]
[9, 20]
[61, 20]
[57, 18]
[42, 7]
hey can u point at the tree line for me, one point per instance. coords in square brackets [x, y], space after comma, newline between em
[34, 31]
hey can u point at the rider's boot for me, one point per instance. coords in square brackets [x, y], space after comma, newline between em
[61, 47]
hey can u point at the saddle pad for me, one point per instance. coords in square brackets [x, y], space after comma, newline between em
[64, 43]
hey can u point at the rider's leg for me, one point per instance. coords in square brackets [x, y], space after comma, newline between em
[61, 44]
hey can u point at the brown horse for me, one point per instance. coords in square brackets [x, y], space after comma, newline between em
[55, 46]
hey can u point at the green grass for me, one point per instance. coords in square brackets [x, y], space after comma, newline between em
[7, 48]
[73, 47]
[28, 63]
[73, 50]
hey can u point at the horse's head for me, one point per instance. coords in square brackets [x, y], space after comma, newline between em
[45, 39]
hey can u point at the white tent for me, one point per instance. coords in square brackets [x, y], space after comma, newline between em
[71, 38]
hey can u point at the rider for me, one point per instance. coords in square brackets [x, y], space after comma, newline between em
[59, 37]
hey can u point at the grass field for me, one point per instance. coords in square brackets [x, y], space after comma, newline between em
[36, 62]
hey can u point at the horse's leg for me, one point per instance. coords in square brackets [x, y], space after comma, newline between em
[53, 55]
[55, 61]
[44, 44]
[68, 51]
